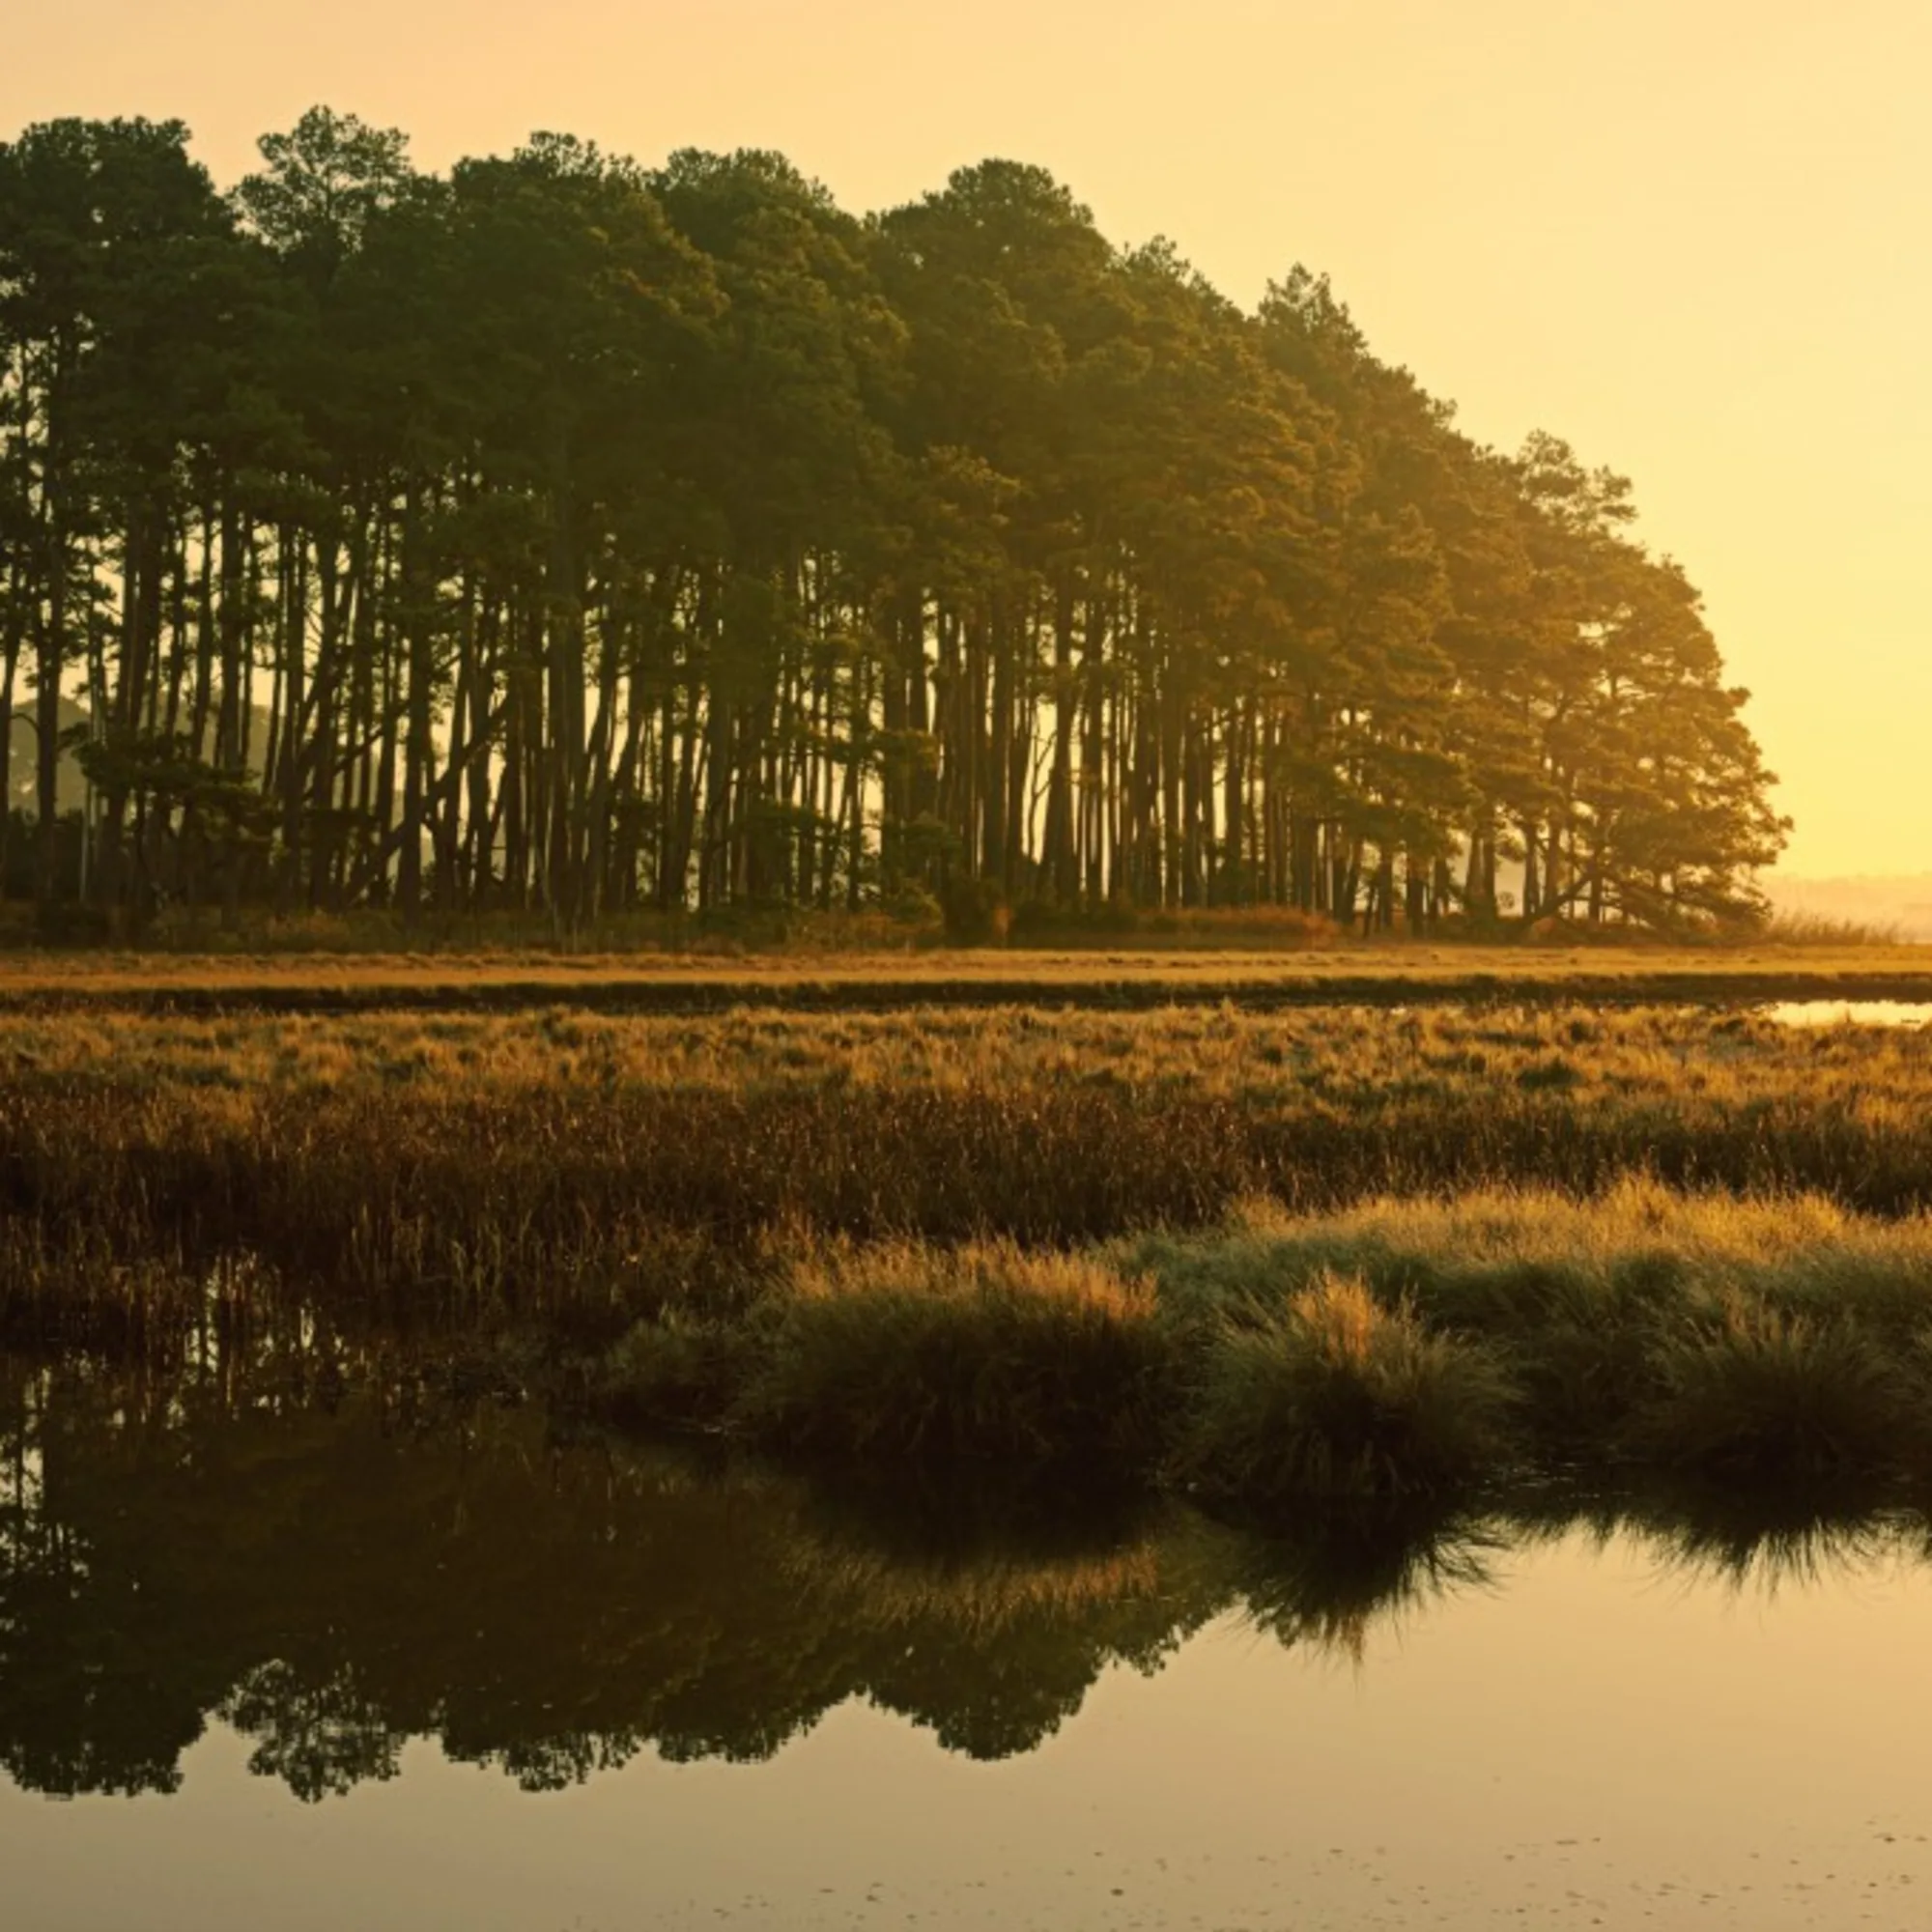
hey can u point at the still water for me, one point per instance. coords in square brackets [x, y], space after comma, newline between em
[325, 1651]
[1852, 1013]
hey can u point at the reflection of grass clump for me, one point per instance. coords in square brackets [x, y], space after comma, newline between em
[1760, 1535]
[1333, 1574]
[1330, 1393]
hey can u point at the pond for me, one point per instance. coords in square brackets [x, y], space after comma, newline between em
[316, 1649]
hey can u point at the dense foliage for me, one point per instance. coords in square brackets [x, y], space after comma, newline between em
[560, 533]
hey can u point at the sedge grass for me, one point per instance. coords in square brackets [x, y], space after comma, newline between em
[1327, 1392]
[1401, 1349]
[982, 1354]
[1047, 1238]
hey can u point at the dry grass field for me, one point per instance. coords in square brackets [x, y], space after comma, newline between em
[1130, 976]
[1261, 1253]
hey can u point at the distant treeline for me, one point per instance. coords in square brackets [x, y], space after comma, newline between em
[560, 533]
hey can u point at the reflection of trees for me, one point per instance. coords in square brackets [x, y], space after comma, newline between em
[321, 1739]
[80, 1708]
[333, 1578]
[986, 1616]
[335, 1584]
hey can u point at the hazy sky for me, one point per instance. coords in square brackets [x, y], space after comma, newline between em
[1689, 236]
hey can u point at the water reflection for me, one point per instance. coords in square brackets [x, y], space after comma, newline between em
[334, 1564]
[1852, 1013]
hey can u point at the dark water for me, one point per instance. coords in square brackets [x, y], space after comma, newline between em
[296, 1647]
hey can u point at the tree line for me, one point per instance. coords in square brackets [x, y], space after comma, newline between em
[559, 533]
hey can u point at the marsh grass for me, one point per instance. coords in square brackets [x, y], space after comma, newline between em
[1401, 1349]
[1274, 1254]
[583, 1171]
[1759, 1392]
[1328, 1392]
[975, 1354]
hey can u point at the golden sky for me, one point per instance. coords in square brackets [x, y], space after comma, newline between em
[1689, 236]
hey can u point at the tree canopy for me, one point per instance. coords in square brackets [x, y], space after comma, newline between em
[567, 534]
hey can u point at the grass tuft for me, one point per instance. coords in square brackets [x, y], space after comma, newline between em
[1330, 1393]
[680, 1371]
[1763, 1393]
[978, 1354]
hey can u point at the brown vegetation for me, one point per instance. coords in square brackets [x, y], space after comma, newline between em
[1398, 1349]
[570, 1166]
[1316, 1251]
[841, 976]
